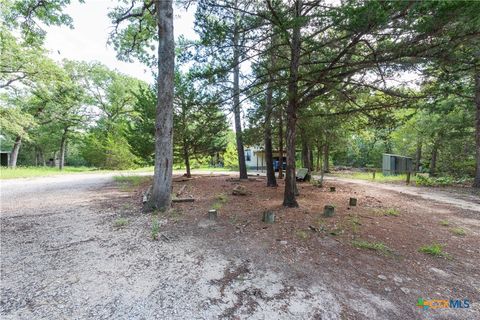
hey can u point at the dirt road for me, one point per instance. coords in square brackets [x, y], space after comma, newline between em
[62, 257]
[462, 201]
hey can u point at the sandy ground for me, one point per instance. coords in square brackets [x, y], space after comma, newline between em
[63, 258]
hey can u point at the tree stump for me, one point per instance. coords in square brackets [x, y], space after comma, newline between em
[212, 214]
[353, 202]
[332, 189]
[268, 217]
[328, 211]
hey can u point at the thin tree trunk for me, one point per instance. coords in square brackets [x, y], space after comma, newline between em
[326, 156]
[186, 158]
[280, 144]
[289, 199]
[37, 156]
[15, 151]
[476, 182]
[162, 180]
[418, 156]
[63, 144]
[42, 155]
[319, 154]
[433, 162]
[236, 105]
[310, 158]
[271, 181]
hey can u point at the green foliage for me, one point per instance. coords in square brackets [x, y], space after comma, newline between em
[230, 157]
[423, 180]
[108, 152]
[120, 223]
[444, 223]
[375, 246]
[434, 250]
[155, 228]
[392, 212]
[458, 231]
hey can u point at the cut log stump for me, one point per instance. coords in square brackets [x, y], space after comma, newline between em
[328, 211]
[212, 214]
[268, 217]
[353, 202]
[332, 189]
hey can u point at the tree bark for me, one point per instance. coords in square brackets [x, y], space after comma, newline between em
[319, 154]
[162, 180]
[271, 181]
[236, 105]
[289, 195]
[186, 158]
[433, 162]
[15, 151]
[418, 156]
[280, 144]
[63, 144]
[476, 182]
[326, 156]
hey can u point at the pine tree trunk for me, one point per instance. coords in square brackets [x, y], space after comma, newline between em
[433, 162]
[271, 181]
[236, 105]
[418, 156]
[15, 151]
[280, 144]
[63, 143]
[476, 182]
[186, 157]
[319, 154]
[162, 180]
[326, 157]
[289, 199]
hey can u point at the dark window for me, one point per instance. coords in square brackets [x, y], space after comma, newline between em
[248, 155]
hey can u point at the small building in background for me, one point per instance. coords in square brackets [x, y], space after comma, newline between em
[395, 164]
[5, 158]
[255, 158]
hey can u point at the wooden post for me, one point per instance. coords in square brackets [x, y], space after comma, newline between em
[373, 175]
[328, 211]
[353, 202]
[408, 177]
[212, 214]
[268, 217]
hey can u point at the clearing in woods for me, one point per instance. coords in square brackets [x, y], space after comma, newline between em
[80, 247]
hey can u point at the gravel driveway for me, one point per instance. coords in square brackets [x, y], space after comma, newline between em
[62, 258]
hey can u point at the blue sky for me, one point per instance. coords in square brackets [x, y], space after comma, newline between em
[88, 40]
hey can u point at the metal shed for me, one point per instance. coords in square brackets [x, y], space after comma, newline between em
[395, 164]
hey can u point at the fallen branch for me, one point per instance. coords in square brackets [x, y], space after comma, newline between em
[179, 192]
[183, 199]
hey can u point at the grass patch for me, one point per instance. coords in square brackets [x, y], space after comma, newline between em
[130, 182]
[433, 250]
[176, 214]
[220, 200]
[458, 231]
[120, 222]
[155, 229]
[28, 172]
[392, 212]
[302, 234]
[444, 223]
[375, 246]
[379, 177]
